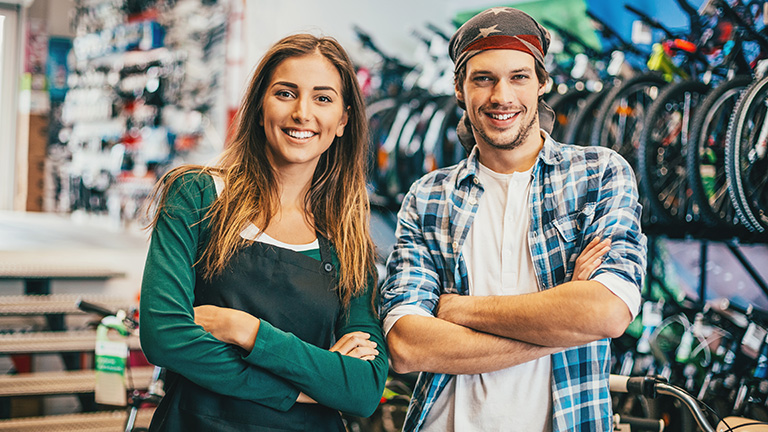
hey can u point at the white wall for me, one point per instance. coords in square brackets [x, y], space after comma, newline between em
[9, 70]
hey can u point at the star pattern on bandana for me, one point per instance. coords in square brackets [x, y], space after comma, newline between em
[497, 10]
[484, 32]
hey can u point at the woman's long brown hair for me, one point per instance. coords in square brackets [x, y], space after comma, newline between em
[337, 200]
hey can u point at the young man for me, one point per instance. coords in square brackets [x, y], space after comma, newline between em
[484, 294]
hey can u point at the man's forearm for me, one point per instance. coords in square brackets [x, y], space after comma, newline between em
[571, 314]
[428, 344]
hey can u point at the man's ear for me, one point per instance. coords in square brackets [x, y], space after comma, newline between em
[459, 92]
[542, 88]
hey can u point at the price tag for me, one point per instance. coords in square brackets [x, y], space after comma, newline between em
[641, 33]
[651, 314]
[753, 340]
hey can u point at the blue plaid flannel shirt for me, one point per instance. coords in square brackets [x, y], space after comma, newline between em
[577, 193]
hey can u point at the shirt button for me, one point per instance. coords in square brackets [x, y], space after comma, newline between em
[472, 201]
[475, 180]
[328, 267]
[455, 245]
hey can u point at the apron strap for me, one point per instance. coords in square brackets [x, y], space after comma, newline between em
[325, 256]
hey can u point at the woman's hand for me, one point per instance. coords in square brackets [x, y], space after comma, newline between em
[357, 345]
[231, 326]
[590, 258]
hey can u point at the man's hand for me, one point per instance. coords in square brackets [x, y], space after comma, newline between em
[590, 258]
[451, 306]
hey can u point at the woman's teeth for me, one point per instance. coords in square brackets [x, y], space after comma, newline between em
[300, 134]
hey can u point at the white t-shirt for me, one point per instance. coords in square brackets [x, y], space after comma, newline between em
[498, 259]
[498, 263]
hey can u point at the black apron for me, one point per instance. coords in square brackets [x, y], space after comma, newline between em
[291, 291]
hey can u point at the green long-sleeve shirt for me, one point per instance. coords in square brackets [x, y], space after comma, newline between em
[280, 364]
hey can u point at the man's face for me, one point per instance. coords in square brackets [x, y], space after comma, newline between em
[501, 94]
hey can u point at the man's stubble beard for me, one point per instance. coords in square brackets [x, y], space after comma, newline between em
[517, 141]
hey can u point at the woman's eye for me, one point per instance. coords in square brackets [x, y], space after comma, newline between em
[284, 93]
[326, 99]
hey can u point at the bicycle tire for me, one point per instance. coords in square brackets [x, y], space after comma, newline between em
[746, 161]
[380, 120]
[706, 155]
[662, 151]
[579, 130]
[565, 106]
[615, 113]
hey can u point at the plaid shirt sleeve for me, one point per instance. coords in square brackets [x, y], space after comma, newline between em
[617, 215]
[412, 276]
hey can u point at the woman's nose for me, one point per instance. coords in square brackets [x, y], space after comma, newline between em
[301, 110]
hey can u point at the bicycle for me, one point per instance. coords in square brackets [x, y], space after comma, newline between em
[667, 141]
[652, 386]
[125, 324]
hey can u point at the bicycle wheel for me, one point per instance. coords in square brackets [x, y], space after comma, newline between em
[579, 129]
[565, 106]
[706, 155]
[661, 156]
[746, 161]
[381, 115]
[621, 115]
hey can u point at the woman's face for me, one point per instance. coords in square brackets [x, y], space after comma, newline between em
[303, 111]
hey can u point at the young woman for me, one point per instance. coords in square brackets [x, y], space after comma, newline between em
[259, 289]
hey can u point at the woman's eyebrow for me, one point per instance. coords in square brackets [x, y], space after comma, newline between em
[294, 86]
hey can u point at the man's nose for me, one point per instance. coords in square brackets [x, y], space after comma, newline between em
[503, 93]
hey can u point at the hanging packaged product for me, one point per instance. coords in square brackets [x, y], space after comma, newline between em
[111, 355]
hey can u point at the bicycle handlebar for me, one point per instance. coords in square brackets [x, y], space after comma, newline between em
[94, 308]
[610, 33]
[650, 21]
[570, 37]
[102, 311]
[652, 386]
[693, 16]
[639, 423]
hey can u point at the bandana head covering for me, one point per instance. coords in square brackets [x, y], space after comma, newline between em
[499, 28]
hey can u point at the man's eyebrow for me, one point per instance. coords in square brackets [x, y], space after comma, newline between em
[524, 69]
[294, 86]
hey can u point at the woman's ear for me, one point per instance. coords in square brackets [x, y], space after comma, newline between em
[343, 123]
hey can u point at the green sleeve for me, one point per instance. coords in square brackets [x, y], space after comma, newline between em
[341, 382]
[169, 336]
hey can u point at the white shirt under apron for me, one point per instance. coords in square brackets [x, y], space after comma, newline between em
[251, 231]
[499, 262]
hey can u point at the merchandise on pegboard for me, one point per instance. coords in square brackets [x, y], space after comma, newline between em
[144, 94]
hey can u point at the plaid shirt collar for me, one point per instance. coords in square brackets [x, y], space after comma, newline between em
[550, 155]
